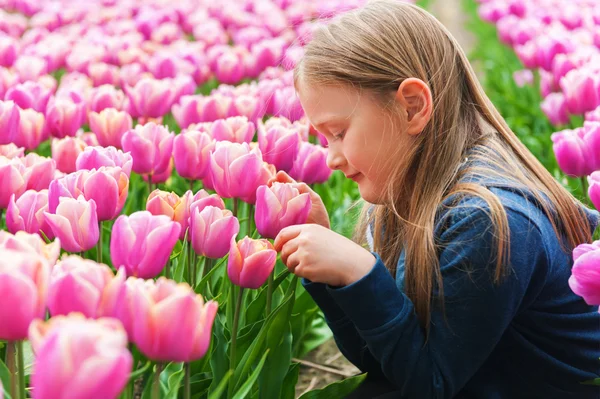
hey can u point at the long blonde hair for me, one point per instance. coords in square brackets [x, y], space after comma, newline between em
[374, 49]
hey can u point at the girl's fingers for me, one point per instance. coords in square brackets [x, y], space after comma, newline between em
[292, 262]
[288, 249]
[285, 235]
[281, 177]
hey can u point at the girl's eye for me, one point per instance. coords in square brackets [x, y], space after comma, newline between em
[340, 135]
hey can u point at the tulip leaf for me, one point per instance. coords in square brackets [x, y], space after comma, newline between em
[256, 309]
[244, 389]
[219, 361]
[174, 380]
[220, 389]
[288, 388]
[134, 375]
[208, 276]
[279, 343]
[276, 318]
[339, 389]
[5, 378]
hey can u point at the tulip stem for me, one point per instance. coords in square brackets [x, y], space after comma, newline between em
[99, 254]
[235, 207]
[188, 372]
[12, 367]
[156, 382]
[234, 331]
[191, 265]
[584, 186]
[21, 370]
[208, 265]
[149, 184]
[269, 293]
[192, 186]
[250, 219]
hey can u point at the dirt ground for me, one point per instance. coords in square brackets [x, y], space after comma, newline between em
[450, 13]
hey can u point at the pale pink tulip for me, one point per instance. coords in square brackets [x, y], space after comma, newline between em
[211, 229]
[250, 262]
[75, 224]
[109, 126]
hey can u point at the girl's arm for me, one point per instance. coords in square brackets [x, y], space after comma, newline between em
[477, 312]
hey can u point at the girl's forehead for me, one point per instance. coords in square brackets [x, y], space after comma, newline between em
[322, 103]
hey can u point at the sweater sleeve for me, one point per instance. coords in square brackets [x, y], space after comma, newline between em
[476, 310]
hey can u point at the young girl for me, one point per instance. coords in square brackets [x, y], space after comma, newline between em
[463, 292]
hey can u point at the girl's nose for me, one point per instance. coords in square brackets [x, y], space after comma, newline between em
[335, 158]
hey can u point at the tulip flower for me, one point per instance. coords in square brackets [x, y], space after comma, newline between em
[11, 151]
[230, 68]
[150, 98]
[9, 49]
[237, 171]
[246, 105]
[211, 230]
[27, 213]
[31, 243]
[65, 152]
[585, 274]
[236, 129]
[65, 116]
[582, 90]
[555, 108]
[280, 206]
[173, 323]
[94, 157]
[23, 286]
[287, 104]
[102, 73]
[311, 164]
[250, 262]
[32, 129]
[106, 96]
[30, 94]
[13, 179]
[279, 147]
[594, 188]
[191, 152]
[75, 224]
[39, 171]
[30, 68]
[109, 126]
[571, 152]
[77, 285]
[142, 243]
[188, 111]
[9, 121]
[79, 358]
[151, 146]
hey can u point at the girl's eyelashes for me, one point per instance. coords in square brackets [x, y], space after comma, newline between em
[340, 135]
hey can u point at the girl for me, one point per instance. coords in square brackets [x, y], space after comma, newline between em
[463, 292]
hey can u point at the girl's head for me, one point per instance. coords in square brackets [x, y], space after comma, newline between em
[401, 107]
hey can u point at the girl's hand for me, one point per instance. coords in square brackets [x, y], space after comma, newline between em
[323, 256]
[318, 213]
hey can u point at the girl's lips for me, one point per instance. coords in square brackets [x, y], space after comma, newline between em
[354, 177]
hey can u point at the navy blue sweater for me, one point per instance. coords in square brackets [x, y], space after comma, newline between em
[528, 337]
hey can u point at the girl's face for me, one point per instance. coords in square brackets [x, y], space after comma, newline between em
[363, 139]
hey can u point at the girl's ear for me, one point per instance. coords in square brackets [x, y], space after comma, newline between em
[414, 96]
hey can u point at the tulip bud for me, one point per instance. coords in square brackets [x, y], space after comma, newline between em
[311, 164]
[106, 96]
[280, 206]
[250, 262]
[11, 151]
[279, 147]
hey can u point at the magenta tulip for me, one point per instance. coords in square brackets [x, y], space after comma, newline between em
[95, 157]
[39, 171]
[150, 98]
[280, 206]
[142, 243]
[30, 94]
[236, 129]
[27, 213]
[106, 96]
[77, 285]
[594, 188]
[79, 358]
[279, 146]
[109, 126]
[188, 110]
[151, 146]
[65, 116]
[9, 121]
[582, 90]
[211, 230]
[103, 74]
[585, 274]
[191, 152]
[311, 164]
[250, 262]
[571, 152]
[75, 224]
[173, 323]
[23, 286]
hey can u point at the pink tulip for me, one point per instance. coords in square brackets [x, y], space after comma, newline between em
[103, 74]
[142, 243]
[311, 164]
[594, 188]
[211, 230]
[555, 108]
[8, 79]
[215, 107]
[280, 206]
[13, 179]
[106, 96]
[286, 103]
[150, 98]
[246, 105]
[582, 90]
[27, 213]
[230, 67]
[250, 262]
[77, 285]
[32, 129]
[593, 116]
[236, 129]
[571, 152]
[65, 152]
[237, 171]
[29, 67]
[187, 110]
[23, 286]
[30, 95]
[109, 126]
[9, 50]
[39, 171]
[523, 77]
[585, 277]
[163, 176]
[279, 146]
[11, 151]
[9, 121]
[173, 323]
[151, 146]
[75, 224]
[94, 157]
[191, 152]
[31, 244]
[65, 116]
[79, 358]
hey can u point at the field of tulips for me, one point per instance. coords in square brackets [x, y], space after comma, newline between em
[137, 138]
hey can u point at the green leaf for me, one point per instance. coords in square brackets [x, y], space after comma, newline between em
[288, 389]
[5, 378]
[219, 360]
[243, 391]
[220, 389]
[200, 287]
[256, 309]
[279, 343]
[133, 376]
[595, 381]
[339, 389]
[174, 380]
